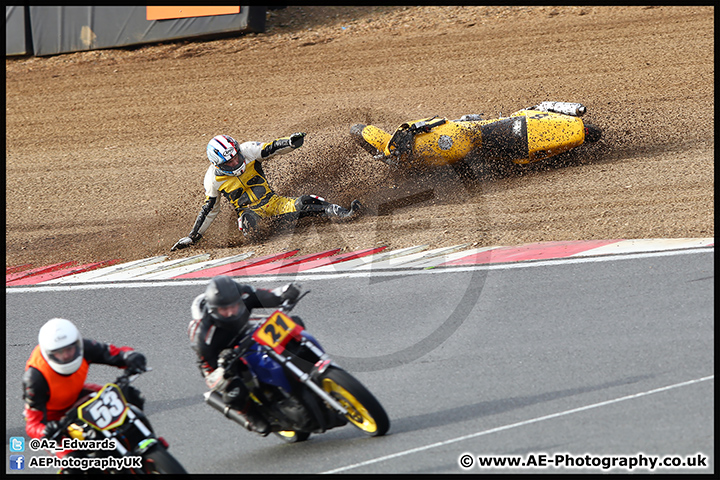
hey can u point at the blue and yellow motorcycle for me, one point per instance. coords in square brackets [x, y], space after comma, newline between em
[295, 385]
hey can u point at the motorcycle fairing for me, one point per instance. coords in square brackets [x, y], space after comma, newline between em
[432, 140]
[526, 136]
[504, 139]
[276, 331]
[549, 134]
[266, 369]
[106, 410]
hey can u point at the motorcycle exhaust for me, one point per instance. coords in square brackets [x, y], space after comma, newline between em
[215, 400]
[565, 108]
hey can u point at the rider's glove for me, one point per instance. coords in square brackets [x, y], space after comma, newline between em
[290, 292]
[225, 357]
[186, 242]
[297, 139]
[216, 380]
[182, 243]
[135, 361]
[51, 428]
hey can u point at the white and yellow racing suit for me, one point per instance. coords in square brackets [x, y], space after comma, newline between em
[251, 195]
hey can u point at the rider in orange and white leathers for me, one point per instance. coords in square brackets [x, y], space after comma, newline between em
[236, 173]
[56, 373]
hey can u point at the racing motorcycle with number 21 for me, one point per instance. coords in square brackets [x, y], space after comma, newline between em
[294, 384]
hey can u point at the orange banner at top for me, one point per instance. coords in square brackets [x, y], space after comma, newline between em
[166, 13]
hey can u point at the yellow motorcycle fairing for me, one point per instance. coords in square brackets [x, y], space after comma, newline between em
[525, 137]
[430, 141]
[376, 137]
[549, 134]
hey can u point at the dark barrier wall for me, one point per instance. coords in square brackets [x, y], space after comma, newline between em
[57, 30]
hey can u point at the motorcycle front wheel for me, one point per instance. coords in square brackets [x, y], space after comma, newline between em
[159, 460]
[364, 411]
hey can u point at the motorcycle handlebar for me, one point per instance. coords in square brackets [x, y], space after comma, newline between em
[244, 339]
[129, 375]
[288, 305]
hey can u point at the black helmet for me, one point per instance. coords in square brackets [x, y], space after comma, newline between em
[224, 302]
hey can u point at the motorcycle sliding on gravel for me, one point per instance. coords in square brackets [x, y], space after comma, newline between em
[295, 385]
[106, 417]
[526, 136]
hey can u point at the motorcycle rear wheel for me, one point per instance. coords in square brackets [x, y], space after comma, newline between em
[291, 436]
[364, 411]
[159, 460]
[592, 133]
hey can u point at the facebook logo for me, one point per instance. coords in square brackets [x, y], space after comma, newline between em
[17, 462]
[17, 444]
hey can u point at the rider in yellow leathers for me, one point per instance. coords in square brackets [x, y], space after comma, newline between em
[236, 173]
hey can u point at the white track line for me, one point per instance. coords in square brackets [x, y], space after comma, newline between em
[310, 275]
[518, 424]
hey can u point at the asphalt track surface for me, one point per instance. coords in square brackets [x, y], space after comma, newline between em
[607, 356]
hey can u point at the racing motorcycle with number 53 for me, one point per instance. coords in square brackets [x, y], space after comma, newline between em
[107, 415]
[294, 383]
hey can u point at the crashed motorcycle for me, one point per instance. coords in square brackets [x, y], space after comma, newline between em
[127, 441]
[526, 136]
[294, 384]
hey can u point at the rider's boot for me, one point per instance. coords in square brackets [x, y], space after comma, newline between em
[236, 398]
[248, 225]
[336, 212]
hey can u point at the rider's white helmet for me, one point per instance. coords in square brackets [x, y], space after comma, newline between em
[220, 150]
[57, 339]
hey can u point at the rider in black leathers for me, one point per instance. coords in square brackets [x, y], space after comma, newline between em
[219, 315]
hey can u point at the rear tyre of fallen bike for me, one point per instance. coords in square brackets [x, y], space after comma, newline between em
[592, 133]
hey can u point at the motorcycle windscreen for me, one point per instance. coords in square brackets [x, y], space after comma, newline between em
[505, 139]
